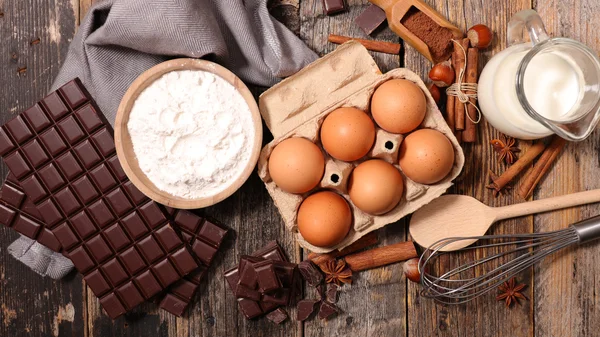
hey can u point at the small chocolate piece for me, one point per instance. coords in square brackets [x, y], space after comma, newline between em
[287, 272]
[310, 273]
[332, 293]
[279, 297]
[271, 251]
[249, 308]
[334, 6]
[63, 155]
[266, 276]
[241, 291]
[327, 310]
[19, 213]
[370, 19]
[247, 274]
[277, 316]
[305, 309]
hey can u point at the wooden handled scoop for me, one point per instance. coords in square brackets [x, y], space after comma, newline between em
[395, 10]
[460, 216]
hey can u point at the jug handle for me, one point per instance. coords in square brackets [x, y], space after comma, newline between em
[526, 19]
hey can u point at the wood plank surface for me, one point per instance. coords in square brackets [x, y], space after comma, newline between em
[484, 316]
[566, 301]
[34, 37]
[380, 302]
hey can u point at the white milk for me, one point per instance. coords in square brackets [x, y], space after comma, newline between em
[553, 87]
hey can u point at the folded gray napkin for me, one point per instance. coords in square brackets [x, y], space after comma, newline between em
[120, 39]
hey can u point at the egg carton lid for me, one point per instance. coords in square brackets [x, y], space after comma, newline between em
[299, 98]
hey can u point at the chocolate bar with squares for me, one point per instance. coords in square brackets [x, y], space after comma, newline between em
[205, 239]
[19, 213]
[63, 155]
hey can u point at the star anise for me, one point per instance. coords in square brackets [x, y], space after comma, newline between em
[336, 272]
[506, 149]
[510, 292]
[492, 185]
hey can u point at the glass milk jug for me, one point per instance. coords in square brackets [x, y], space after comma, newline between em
[549, 85]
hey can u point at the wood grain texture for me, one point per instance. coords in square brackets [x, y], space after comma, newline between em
[29, 304]
[566, 301]
[379, 303]
[483, 317]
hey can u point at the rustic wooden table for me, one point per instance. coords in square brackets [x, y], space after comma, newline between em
[35, 36]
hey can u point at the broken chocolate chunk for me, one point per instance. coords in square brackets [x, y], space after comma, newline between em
[310, 273]
[266, 276]
[306, 308]
[277, 316]
[241, 291]
[331, 293]
[327, 310]
[370, 19]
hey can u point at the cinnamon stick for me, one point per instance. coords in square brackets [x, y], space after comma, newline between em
[472, 74]
[541, 167]
[450, 115]
[500, 182]
[368, 240]
[381, 256]
[459, 57]
[378, 46]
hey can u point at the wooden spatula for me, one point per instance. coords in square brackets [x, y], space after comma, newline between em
[460, 216]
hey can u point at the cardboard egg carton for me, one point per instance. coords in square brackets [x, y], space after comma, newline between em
[297, 106]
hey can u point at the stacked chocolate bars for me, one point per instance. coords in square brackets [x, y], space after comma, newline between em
[67, 190]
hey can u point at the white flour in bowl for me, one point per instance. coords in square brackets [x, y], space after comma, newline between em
[192, 133]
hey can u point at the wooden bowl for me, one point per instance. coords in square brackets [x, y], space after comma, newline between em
[124, 146]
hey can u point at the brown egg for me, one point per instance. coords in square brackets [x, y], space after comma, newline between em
[398, 106]
[324, 219]
[296, 165]
[426, 156]
[375, 186]
[347, 134]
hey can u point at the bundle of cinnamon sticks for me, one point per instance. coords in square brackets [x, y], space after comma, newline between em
[549, 153]
[464, 128]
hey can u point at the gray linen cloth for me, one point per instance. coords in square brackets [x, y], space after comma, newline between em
[120, 39]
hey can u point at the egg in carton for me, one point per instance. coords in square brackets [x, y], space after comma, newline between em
[297, 106]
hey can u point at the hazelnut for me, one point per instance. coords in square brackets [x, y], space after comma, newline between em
[480, 36]
[411, 270]
[435, 93]
[442, 74]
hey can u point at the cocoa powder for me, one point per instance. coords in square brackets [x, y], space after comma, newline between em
[437, 38]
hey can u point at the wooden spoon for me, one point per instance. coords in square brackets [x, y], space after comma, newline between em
[460, 216]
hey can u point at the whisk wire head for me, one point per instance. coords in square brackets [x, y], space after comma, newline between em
[502, 257]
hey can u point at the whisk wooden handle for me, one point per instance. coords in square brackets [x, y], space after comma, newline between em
[549, 204]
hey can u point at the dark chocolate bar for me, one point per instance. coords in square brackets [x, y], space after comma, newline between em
[204, 238]
[62, 152]
[19, 213]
